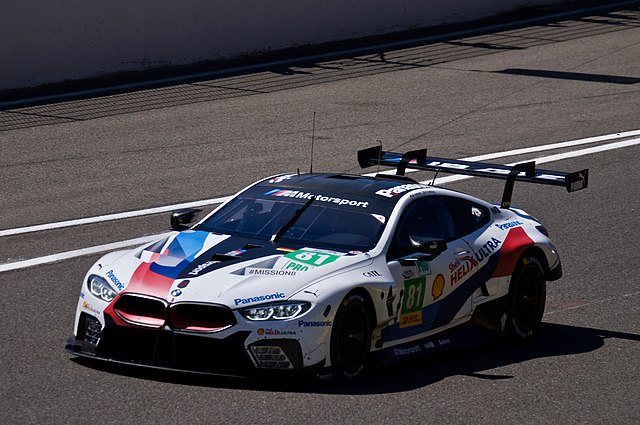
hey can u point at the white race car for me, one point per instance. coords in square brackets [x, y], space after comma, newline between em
[325, 274]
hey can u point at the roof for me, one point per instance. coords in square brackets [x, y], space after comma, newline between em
[341, 183]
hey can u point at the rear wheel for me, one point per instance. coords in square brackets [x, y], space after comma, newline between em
[351, 336]
[527, 297]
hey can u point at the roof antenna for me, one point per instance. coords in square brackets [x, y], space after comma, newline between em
[313, 135]
[379, 155]
[433, 182]
[298, 170]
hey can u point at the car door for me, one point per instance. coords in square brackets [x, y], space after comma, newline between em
[422, 274]
[472, 222]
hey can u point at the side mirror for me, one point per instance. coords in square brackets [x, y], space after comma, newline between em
[430, 247]
[182, 219]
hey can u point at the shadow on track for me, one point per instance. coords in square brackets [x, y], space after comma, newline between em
[554, 340]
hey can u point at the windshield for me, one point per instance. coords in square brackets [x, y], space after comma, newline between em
[318, 225]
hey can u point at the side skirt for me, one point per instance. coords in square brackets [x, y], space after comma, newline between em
[486, 324]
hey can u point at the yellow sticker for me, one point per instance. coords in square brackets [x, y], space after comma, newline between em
[411, 319]
[438, 287]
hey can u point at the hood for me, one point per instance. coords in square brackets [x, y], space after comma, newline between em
[200, 266]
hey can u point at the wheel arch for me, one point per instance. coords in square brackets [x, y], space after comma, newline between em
[366, 295]
[538, 253]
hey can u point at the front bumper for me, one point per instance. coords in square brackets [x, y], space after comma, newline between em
[234, 355]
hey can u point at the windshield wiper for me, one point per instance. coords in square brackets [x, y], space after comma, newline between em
[294, 217]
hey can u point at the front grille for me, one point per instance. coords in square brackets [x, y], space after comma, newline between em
[192, 317]
[141, 310]
[200, 317]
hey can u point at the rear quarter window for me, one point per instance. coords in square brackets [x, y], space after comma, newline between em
[467, 216]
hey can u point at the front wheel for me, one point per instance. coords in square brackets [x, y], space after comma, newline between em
[527, 297]
[351, 336]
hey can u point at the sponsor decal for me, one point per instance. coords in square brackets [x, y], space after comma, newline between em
[316, 324]
[268, 272]
[406, 351]
[438, 287]
[397, 190]
[315, 294]
[487, 249]
[287, 193]
[421, 193]
[267, 297]
[411, 319]
[82, 295]
[407, 273]
[274, 332]
[201, 267]
[460, 268]
[89, 307]
[313, 258]
[372, 273]
[457, 166]
[176, 292]
[423, 268]
[382, 219]
[411, 313]
[294, 266]
[508, 225]
[115, 280]
[430, 344]
[280, 179]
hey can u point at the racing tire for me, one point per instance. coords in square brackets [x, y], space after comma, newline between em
[351, 337]
[527, 298]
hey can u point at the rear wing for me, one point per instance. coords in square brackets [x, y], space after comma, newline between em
[526, 171]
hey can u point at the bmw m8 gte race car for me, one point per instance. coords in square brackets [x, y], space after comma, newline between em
[325, 274]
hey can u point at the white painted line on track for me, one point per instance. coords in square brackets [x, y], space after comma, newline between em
[533, 149]
[139, 241]
[112, 217]
[551, 158]
[214, 201]
[79, 253]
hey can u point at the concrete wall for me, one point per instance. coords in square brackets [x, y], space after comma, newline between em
[45, 41]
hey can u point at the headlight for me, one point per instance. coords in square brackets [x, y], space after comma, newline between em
[100, 288]
[278, 311]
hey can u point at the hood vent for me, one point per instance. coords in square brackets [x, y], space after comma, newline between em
[223, 257]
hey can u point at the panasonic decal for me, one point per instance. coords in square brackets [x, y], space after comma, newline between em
[274, 296]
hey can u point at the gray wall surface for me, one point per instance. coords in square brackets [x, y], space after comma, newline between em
[47, 41]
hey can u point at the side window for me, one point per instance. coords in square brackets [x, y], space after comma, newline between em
[467, 216]
[429, 217]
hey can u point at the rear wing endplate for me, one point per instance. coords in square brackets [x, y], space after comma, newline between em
[526, 171]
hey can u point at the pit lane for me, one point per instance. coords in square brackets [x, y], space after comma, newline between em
[582, 369]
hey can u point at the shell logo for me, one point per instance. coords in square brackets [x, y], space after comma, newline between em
[438, 287]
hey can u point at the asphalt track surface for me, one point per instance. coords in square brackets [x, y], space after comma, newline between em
[467, 95]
